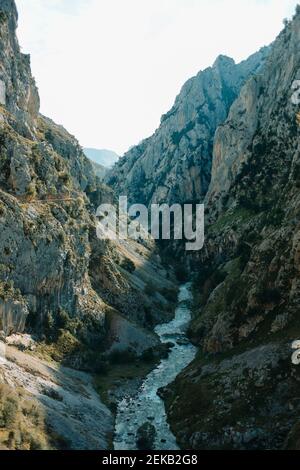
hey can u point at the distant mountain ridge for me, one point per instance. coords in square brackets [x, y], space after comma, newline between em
[106, 158]
[174, 164]
[99, 170]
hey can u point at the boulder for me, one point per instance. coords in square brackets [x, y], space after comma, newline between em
[145, 436]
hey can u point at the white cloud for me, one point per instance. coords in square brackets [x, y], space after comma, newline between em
[108, 69]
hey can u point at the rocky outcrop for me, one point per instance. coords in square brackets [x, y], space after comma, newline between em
[67, 411]
[58, 282]
[44, 184]
[242, 391]
[146, 436]
[48, 196]
[255, 114]
[245, 401]
[174, 165]
[13, 315]
[18, 90]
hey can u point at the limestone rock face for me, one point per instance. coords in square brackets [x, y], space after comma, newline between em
[58, 282]
[67, 412]
[17, 90]
[254, 112]
[45, 181]
[174, 165]
[243, 392]
[49, 193]
[13, 315]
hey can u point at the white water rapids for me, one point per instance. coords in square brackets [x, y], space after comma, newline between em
[146, 405]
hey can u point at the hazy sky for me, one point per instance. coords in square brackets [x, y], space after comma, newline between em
[108, 69]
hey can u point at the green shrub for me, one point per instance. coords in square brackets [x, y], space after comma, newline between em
[181, 273]
[2, 210]
[148, 355]
[276, 216]
[218, 277]
[148, 315]
[122, 357]
[3, 17]
[169, 294]
[243, 251]
[236, 292]
[22, 421]
[254, 311]
[269, 295]
[8, 412]
[149, 289]
[128, 265]
[31, 190]
[49, 325]
[100, 366]
[62, 319]
[64, 177]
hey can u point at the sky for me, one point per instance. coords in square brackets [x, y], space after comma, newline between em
[108, 69]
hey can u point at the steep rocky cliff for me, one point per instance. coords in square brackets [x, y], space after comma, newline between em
[48, 196]
[44, 181]
[79, 297]
[174, 165]
[242, 391]
[232, 138]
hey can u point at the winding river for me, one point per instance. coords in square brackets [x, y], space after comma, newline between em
[146, 405]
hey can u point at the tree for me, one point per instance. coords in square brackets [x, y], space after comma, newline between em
[285, 22]
[128, 265]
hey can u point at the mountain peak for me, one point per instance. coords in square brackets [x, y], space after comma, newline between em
[223, 61]
[19, 93]
[162, 167]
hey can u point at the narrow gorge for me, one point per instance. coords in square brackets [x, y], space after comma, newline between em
[135, 344]
[146, 407]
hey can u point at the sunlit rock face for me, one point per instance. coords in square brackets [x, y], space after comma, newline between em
[13, 315]
[44, 245]
[18, 91]
[255, 113]
[248, 283]
[2, 93]
[174, 165]
[51, 262]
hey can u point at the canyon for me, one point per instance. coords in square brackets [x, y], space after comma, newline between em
[82, 319]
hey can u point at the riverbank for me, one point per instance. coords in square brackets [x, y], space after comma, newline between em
[123, 379]
[146, 406]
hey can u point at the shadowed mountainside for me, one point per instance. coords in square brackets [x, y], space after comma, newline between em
[242, 391]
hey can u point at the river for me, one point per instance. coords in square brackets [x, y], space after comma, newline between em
[146, 405]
